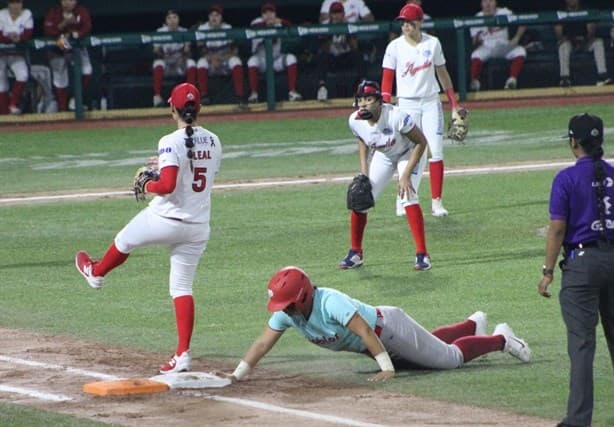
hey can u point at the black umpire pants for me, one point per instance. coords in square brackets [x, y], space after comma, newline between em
[587, 291]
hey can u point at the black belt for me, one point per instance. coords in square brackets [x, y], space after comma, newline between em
[589, 244]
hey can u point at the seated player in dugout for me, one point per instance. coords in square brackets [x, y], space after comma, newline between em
[335, 321]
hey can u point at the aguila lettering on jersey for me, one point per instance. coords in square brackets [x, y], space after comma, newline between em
[411, 68]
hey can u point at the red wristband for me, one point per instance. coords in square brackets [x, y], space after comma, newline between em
[452, 98]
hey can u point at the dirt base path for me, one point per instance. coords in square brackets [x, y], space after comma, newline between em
[68, 364]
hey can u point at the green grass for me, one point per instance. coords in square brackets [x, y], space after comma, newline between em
[487, 254]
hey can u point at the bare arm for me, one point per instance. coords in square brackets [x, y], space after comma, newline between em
[554, 241]
[259, 348]
[519, 33]
[417, 137]
[363, 154]
[444, 77]
[358, 325]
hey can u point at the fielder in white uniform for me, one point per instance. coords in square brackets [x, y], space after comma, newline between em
[16, 25]
[218, 57]
[171, 59]
[178, 216]
[333, 320]
[416, 61]
[494, 42]
[396, 145]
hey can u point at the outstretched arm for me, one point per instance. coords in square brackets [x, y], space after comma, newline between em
[259, 348]
[361, 328]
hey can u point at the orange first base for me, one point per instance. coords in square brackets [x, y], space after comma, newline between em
[121, 387]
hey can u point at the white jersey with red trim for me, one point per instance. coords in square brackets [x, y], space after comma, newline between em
[191, 199]
[491, 36]
[354, 10]
[387, 135]
[8, 26]
[174, 50]
[217, 45]
[414, 65]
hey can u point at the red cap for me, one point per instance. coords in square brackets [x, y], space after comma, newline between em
[411, 12]
[184, 93]
[267, 6]
[336, 7]
[216, 8]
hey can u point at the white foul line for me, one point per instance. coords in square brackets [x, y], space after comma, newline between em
[35, 393]
[297, 412]
[264, 184]
[58, 368]
[244, 402]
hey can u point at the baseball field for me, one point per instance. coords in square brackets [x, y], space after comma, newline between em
[280, 200]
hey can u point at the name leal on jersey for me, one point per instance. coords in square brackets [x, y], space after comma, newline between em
[323, 340]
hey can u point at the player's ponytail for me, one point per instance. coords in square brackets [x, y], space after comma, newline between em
[595, 150]
[188, 114]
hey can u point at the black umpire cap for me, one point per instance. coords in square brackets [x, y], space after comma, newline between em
[585, 127]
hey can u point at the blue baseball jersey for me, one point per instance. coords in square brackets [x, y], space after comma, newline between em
[573, 199]
[327, 324]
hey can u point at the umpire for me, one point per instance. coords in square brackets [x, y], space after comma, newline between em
[582, 223]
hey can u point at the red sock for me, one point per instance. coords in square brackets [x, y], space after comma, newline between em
[191, 75]
[203, 80]
[184, 316]
[450, 333]
[62, 95]
[415, 220]
[237, 80]
[473, 346]
[85, 81]
[292, 73]
[158, 76]
[252, 77]
[358, 222]
[4, 103]
[111, 259]
[436, 175]
[16, 93]
[476, 68]
[516, 66]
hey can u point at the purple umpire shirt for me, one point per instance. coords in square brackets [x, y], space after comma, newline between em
[573, 199]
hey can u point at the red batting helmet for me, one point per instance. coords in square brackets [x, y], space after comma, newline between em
[411, 12]
[290, 285]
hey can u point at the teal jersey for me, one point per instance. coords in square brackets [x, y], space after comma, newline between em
[327, 324]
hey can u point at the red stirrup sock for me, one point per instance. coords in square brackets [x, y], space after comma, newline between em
[4, 103]
[237, 80]
[184, 316]
[203, 81]
[191, 75]
[415, 220]
[16, 93]
[516, 66]
[473, 346]
[111, 259]
[292, 73]
[62, 96]
[476, 68]
[252, 77]
[158, 76]
[450, 333]
[436, 175]
[358, 222]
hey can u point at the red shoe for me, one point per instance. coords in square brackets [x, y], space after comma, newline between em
[85, 265]
[179, 363]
